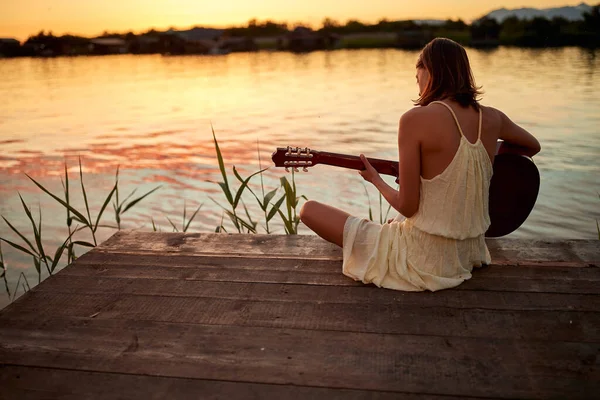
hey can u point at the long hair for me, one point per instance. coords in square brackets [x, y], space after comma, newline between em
[450, 74]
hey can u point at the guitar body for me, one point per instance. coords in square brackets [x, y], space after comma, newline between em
[513, 190]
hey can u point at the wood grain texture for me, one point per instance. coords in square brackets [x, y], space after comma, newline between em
[363, 361]
[317, 272]
[33, 383]
[504, 251]
[149, 315]
[367, 317]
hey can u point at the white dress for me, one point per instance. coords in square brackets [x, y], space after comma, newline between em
[437, 247]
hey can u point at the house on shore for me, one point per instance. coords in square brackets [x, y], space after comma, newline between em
[233, 44]
[102, 46]
[303, 39]
[145, 44]
[204, 41]
[192, 41]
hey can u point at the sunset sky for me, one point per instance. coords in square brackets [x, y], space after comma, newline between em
[21, 18]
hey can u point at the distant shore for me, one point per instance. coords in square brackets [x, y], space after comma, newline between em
[485, 32]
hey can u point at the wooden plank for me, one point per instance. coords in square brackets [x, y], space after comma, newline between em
[403, 363]
[545, 252]
[168, 260]
[504, 251]
[353, 295]
[317, 272]
[239, 245]
[369, 317]
[31, 383]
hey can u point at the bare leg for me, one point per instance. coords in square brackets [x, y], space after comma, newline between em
[326, 221]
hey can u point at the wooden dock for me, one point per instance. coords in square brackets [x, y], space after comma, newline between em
[166, 316]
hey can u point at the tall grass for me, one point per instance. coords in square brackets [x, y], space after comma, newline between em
[382, 218]
[598, 224]
[34, 246]
[235, 209]
[185, 224]
[244, 223]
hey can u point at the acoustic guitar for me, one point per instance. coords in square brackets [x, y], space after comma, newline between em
[513, 190]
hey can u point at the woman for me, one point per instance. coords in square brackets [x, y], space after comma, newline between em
[446, 151]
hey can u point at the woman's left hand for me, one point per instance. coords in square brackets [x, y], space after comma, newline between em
[369, 174]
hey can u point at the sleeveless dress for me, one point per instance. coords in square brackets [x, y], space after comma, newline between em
[437, 247]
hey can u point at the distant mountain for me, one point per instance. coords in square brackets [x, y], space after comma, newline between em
[571, 13]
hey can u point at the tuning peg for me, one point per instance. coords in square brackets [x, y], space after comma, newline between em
[296, 169]
[287, 169]
[305, 169]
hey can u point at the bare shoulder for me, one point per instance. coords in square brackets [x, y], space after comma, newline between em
[411, 124]
[493, 114]
[420, 116]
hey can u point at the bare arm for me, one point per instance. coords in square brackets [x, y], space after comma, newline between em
[517, 139]
[405, 200]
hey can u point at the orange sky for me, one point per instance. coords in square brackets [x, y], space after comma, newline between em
[21, 18]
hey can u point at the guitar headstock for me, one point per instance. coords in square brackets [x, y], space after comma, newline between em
[295, 157]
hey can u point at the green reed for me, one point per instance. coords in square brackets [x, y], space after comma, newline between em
[235, 209]
[34, 246]
[184, 224]
[244, 223]
[266, 198]
[598, 223]
[382, 217]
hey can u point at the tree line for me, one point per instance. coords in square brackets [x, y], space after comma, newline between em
[536, 32]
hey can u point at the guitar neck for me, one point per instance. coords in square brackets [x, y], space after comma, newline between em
[385, 167]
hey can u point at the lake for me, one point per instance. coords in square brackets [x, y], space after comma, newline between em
[152, 115]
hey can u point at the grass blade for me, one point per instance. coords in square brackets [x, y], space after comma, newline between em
[17, 286]
[19, 233]
[289, 228]
[129, 196]
[104, 206]
[134, 202]
[62, 202]
[244, 182]
[66, 189]
[184, 211]
[36, 234]
[269, 196]
[275, 208]
[87, 208]
[380, 208]
[221, 228]
[36, 263]
[262, 185]
[227, 192]
[153, 224]
[173, 225]
[40, 221]
[84, 244]
[238, 221]
[263, 206]
[3, 276]
[369, 201]
[59, 252]
[225, 187]
[192, 217]
[250, 218]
